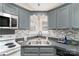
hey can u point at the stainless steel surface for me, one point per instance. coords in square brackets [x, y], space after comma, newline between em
[39, 42]
[11, 22]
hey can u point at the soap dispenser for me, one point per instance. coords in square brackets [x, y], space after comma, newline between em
[65, 40]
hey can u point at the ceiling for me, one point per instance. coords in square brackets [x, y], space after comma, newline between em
[39, 6]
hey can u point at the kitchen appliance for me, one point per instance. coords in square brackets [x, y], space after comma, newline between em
[8, 46]
[8, 21]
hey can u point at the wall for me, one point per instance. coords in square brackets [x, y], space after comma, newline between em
[71, 34]
[6, 31]
[21, 33]
[28, 33]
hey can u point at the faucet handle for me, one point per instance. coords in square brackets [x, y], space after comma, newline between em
[40, 33]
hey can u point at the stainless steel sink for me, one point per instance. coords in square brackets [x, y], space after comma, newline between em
[39, 42]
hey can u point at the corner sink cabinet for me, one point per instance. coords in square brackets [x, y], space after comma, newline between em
[38, 51]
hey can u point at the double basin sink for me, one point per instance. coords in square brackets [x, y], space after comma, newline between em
[38, 41]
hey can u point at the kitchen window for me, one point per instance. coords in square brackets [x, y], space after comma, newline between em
[39, 22]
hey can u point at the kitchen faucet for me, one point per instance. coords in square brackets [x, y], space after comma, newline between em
[39, 33]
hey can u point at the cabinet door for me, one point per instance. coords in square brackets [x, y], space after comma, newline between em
[47, 51]
[30, 51]
[63, 17]
[47, 54]
[52, 20]
[24, 21]
[75, 15]
[30, 54]
[0, 7]
[10, 8]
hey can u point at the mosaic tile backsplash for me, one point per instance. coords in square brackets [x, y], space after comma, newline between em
[73, 35]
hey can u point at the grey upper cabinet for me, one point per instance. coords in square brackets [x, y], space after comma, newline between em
[52, 20]
[63, 18]
[0, 7]
[75, 15]
[10, 8]
[23, 15]
[24, 21]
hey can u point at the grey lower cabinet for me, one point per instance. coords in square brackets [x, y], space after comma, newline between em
[10, 9]
[24, 19]
[0, 7]
[75, 15]
[47, 51]
[63, 17]
[52, 20]
[29, 51]
[38, 51]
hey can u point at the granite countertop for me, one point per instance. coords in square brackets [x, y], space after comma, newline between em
[71, 48]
